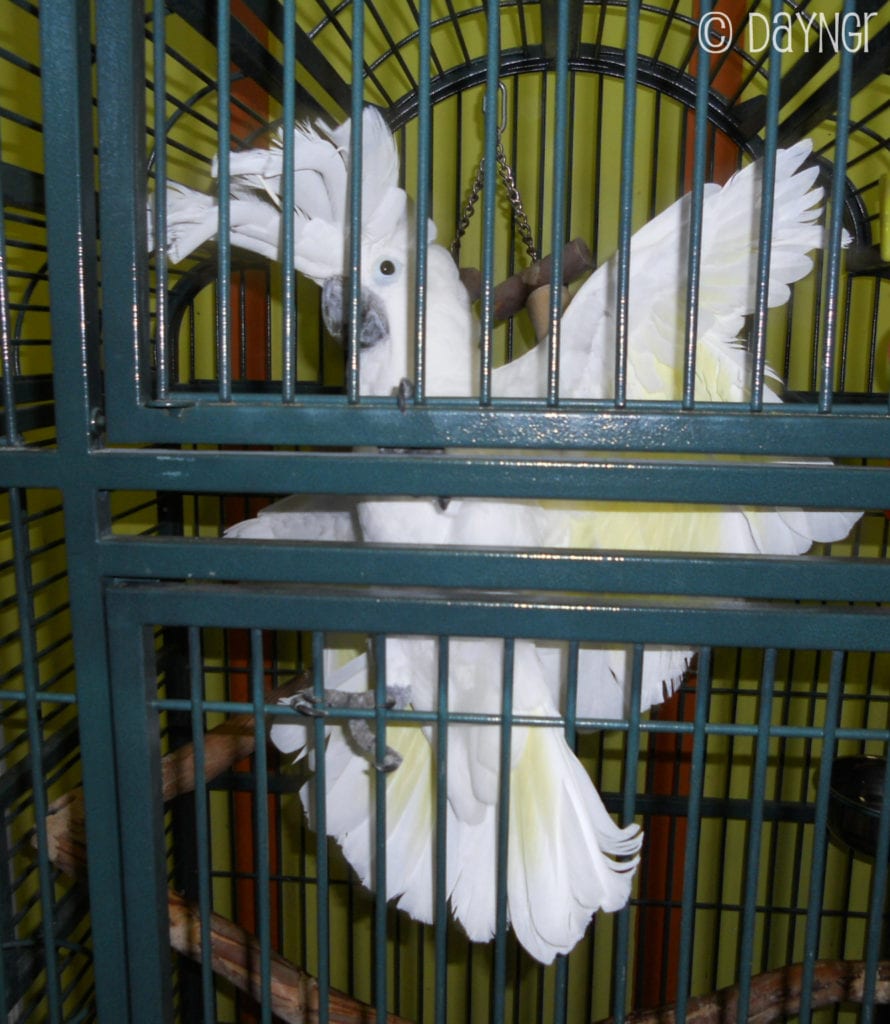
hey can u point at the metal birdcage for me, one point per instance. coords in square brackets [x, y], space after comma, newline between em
[158, 863]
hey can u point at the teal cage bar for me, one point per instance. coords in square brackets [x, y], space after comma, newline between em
[157, 861]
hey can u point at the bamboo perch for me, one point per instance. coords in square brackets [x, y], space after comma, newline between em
[775, 994]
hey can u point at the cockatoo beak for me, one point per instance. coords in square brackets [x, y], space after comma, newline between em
[373, 322]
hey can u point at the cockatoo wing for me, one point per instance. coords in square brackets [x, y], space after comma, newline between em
[302, 517]
[656, 337]
[604, 676]
[658, 290]
[562, 849]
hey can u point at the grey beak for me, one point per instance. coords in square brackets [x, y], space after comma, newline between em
[373, 325]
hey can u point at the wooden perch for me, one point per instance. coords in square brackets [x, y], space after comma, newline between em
[775, 994]
[229, 742]
[511, 295]
[235, 953]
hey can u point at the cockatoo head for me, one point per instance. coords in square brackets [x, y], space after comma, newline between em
[322, 247]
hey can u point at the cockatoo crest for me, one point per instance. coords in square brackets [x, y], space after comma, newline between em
[321, 189]
[321, 194]
[321, 247]
[321, 197]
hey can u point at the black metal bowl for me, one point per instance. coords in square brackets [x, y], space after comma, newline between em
[854, 801]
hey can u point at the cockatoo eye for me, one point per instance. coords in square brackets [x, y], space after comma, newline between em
[387, 271]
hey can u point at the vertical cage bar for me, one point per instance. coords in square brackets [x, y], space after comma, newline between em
[6, 346]
[561, 981]
[261, 824]
[31, 679]
[424, 166]
[499, 973]
[5, 996]
[223, 237]
[380, 909]
[838, 188]
[120, 68]
[513, 104]
[820, 832]
[162, 324]
[355, 202]
[693, 831]
[877, 900]
[767, 194]
[321, 841]
[560, 163]
[489, 196]
[631, 761]
[202, 819]
[625, 223]
[288, 283]
[241, 280]
[441, 879]
[693, 271]
[137, 744]
[597, 189]
[755, 829]
[70, 195]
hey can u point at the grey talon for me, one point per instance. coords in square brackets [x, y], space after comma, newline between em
[360, 729]
[365, 739]
[306, 703]
[390, 762]
[405, 393]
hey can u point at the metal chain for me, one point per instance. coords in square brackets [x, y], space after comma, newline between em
[469, 206]
[508, 177]
[522, 224]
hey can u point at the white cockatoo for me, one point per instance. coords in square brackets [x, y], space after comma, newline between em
[566, 857]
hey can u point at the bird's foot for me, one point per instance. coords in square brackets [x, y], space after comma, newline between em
[307, 702]
[405, 393]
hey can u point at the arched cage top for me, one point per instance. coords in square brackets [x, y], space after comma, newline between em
[744, 46]
[608, 112]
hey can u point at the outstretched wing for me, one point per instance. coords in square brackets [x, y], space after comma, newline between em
[658, 289]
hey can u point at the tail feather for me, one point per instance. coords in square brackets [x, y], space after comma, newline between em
[562, 845]
[472, 873]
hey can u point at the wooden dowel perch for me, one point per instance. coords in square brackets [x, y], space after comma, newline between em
[775, 995]
[531, 287]
[235, 953]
